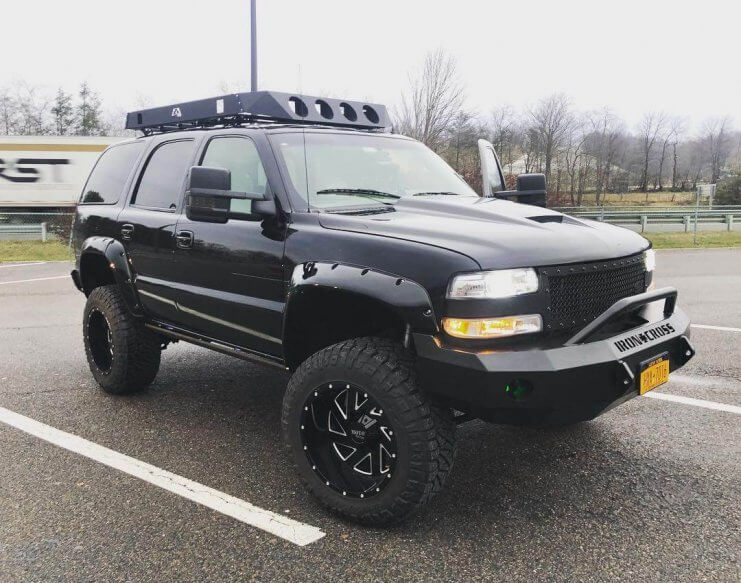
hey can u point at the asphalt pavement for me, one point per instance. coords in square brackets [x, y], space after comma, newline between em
[650, 491]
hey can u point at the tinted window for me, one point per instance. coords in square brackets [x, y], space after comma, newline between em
[240, 157]
[163, 177]
[109, 175]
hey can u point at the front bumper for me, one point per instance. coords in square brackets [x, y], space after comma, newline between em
[570, 383]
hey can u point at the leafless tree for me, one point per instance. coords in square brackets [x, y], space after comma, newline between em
[434, 101]
[603, 145]
[678, 127]
[551, 121]
[649, 128]
[716, 134]
[8, 111]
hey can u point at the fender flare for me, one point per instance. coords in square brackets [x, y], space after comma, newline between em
[406, 298]
[114, 253]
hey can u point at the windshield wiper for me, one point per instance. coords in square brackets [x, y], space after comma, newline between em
[365, 192]
[441, 193]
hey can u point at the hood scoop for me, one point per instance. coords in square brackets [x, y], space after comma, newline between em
[547, 219]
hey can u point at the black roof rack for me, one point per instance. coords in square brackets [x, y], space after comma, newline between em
[258, 107]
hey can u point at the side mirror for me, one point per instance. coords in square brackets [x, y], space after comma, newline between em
[209, 193]
[531, 189]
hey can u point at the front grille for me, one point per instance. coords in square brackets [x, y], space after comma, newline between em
[580, 293]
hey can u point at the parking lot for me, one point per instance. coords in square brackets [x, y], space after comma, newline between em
[650, 491]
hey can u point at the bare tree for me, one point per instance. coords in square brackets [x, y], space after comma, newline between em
[648, 129]
[603, 145]
[434, 102]
[8, 111]
[551, 121]
[716, 134]
[32, 108]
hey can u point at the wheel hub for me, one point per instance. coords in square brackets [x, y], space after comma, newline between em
[348, 439]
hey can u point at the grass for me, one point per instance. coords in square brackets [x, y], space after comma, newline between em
[633, 199]
[33, 251]
[686, 240]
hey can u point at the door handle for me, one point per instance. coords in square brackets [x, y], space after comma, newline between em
[184, 239]
[126, 232]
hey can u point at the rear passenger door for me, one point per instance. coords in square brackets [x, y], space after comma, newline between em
[233, 272]
[147, 225]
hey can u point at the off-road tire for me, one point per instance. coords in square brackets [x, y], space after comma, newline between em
[425, 433]
[135, 352]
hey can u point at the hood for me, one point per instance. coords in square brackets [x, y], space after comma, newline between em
[497, 234]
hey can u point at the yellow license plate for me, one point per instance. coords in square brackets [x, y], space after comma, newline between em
[654, 372]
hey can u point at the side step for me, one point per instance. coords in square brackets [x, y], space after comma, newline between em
[207, 342]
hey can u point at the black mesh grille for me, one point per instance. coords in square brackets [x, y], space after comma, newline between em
[581, 293]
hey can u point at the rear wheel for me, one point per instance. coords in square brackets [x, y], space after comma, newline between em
[363, 438]
[123, 356]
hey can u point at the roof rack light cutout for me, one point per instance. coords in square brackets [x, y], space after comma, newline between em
[260, 107]
[298, 106]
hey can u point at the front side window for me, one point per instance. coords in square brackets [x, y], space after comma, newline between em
[108, 178]
[162, 181]
[239, 156]
[331, 171]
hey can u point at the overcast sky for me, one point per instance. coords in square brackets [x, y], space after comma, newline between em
[676, 56]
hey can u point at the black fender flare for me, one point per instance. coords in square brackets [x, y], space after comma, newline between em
[114, 254]
[406, 298]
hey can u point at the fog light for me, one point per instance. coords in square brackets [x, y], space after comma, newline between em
[492, 327]
[518, 389]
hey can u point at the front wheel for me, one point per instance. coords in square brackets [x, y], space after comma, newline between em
[364, 439]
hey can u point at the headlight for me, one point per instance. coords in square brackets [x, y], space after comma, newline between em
[494, 284]
[649, 258]
[492, 327]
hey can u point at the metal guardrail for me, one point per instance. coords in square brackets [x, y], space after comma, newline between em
[25, 231]
[46, 226]
[643, 216]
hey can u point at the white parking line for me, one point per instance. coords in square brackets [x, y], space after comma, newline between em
[291, 530]
[695, 402]
[722, 328]
[37, 279]
[23, 264]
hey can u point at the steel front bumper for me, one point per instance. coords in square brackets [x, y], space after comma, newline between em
[576, 381]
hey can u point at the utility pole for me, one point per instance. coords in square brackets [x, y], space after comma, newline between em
[253, 44]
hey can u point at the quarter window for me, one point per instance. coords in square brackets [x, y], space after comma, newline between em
[239, 156]
[162, 181]
[108, 178]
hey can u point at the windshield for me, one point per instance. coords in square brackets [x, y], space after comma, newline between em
[336, 171]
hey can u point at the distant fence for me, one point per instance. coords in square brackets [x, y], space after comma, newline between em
[36, 226]
[645, 216]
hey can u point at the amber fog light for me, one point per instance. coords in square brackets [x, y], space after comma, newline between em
[492, 327]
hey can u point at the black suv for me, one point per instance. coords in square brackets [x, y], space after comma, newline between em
[296, 232]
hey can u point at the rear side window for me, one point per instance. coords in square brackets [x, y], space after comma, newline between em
[162, 181]
[108, 178]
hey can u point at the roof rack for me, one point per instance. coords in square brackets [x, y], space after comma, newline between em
[259, 107]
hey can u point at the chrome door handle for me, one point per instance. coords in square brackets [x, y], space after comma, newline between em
[127, 231]
[184, 239]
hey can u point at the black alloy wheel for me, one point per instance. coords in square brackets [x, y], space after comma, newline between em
[348, 439]
[362, 436]
[123, 355]
[101, 340]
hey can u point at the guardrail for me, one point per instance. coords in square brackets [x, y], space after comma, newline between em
[25, 231]
[643, 216]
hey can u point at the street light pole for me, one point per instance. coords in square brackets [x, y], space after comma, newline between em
[253, 44]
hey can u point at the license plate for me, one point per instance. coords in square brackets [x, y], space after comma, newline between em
[654, 372]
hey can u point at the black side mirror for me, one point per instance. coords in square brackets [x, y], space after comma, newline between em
[209, 193]
[531, 189]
